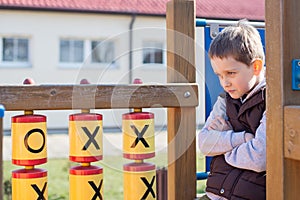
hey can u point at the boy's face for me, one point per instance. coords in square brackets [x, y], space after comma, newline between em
[235, 77]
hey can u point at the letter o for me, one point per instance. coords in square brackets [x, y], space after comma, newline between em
[27, 137]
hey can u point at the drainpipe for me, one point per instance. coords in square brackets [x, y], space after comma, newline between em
[133, 16]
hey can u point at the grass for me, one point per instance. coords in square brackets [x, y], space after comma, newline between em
[58, 175]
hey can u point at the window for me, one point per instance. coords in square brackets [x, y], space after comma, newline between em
[15, 51]
[102, 51]
[91, 53]
[152, 52]
[71, 51]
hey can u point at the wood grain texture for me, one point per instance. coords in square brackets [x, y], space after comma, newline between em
[291, 47]
[274, 77]
[181, 121]
[283, 45]
[291, 177]
[181, 154]
[59, 97]
[292, 132]
[291, 50]
[292, 151]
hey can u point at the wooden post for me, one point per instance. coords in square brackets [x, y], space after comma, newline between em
[181, 121]
[274, 100]
[283, 129]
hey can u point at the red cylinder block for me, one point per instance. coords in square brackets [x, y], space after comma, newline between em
[28, 184]
[86, 182]
[138, 135]
[29, 141]
[85, 134]
[139, 181]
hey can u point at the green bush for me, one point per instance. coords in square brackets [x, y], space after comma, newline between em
[7, 189]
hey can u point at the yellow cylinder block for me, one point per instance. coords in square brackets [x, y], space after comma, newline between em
[86, 182]
[85, 134]
[29, 141]
[29, 184]
[138, 135]
[139, 181]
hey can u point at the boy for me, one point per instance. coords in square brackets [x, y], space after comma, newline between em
[235, 132]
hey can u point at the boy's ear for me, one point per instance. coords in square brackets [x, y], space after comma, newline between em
[257, 66]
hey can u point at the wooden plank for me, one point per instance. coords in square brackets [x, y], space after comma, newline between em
[292, 132]
[291, 184]
[181, 154]
[291, 50]
[58, 97]
[181, 121]
[292, 151]
[283, 45]
[274, 63]
[291, 43]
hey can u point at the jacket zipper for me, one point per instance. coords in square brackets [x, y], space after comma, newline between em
[234, 184]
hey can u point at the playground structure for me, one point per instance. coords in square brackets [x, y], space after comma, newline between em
[180, 96]
[283, 111]
[174, 96]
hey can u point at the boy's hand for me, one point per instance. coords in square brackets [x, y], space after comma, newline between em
[219, 124]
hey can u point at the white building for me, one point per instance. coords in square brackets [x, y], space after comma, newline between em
[106, 42]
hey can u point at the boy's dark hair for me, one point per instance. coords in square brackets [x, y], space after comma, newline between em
[242, 42]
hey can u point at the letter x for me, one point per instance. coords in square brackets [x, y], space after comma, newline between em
[139, 136]
[149, 187]
[40, 193]
[96, 189]
[91, 138]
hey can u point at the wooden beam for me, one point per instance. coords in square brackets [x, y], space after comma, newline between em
[291, 151]
[292, 132]
[59, 97]
[291, 50]
[283, 45]
[274, 60]
[291, 43]
[181, 121]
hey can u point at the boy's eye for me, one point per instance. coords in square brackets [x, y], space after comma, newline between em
[231, 73]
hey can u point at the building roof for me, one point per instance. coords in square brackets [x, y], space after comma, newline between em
[210, 9]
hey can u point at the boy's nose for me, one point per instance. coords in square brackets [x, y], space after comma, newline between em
[226, 83]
